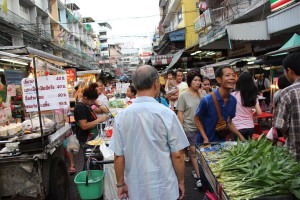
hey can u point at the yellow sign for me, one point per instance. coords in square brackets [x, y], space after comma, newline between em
[162, 80]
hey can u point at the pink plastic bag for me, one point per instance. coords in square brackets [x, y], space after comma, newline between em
[210, 195]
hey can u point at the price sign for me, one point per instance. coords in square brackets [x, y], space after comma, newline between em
[53, 93]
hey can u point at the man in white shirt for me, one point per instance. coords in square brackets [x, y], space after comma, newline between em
[148, 144]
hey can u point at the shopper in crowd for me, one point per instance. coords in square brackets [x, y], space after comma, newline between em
[206, 115]
[214, 86]
[181, 86]
[246, 95]
[206, 85]
[78, 91]
[162, 100]
[282, 83]
[102, 99]
[85, 118]
[188, 102]
[171, 87]
[263, 85]
[148, 142]
[101, 104]
[287, 114]
[130, 93]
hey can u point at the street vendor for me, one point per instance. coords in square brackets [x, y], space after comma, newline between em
[85, 118]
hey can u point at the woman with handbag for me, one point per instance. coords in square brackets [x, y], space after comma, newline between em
[246, 95]
[216, 110]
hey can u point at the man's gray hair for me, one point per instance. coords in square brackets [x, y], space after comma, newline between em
[144, 77]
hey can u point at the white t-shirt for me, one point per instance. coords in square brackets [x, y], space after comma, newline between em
[181, 88]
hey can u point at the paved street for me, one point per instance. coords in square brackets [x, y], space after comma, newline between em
[192, 193]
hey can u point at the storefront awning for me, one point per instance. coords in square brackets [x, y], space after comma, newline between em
[231, 62]
[248, 31]
[79, 73]
[211, 37]
[176, 57]
[284, 19]
[9, 57]
[292, 45]
[178, 35]
[29, 50]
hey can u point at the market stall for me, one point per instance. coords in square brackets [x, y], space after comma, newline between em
[31, 151]
[251, 170]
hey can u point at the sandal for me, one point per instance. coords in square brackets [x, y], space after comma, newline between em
[72, 170]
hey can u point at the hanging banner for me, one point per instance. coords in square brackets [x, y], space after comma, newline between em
[53, 93]
[210, 73]
[11, 90]
[71, 74]
[5, 114]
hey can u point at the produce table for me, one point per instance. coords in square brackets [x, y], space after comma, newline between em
[253, 178]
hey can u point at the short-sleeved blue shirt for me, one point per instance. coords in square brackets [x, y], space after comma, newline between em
[208, 114]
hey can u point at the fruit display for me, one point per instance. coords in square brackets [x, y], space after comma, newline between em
[256, 168]
[116, 104]
[95, 142]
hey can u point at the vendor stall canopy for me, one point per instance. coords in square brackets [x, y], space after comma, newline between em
[13, 58]
[292, 45]
[24, 50]
[232, 62]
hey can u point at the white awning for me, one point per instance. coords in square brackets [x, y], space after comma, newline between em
[248, 31]
[79, 73]
[175, 58]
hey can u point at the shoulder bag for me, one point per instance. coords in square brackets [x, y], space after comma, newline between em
[221, 129]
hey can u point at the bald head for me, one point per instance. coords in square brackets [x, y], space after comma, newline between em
[144, 77]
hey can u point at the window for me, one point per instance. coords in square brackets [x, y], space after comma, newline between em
[179, 15]
[24, 9]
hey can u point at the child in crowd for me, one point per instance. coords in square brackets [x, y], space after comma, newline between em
[171, 88]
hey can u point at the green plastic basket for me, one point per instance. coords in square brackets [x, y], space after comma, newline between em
[94, 190]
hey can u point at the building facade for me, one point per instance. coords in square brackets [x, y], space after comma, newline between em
[52, 27]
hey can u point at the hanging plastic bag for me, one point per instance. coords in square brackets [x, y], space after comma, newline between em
[272, 134]
[73, 144]
[106, 152]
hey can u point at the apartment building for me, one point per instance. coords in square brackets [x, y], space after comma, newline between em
[49, 26]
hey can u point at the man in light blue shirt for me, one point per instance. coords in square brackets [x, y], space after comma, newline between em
[148, 144]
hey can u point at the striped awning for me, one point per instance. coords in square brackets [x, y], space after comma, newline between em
[208, 39]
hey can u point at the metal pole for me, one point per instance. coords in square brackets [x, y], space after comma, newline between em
[38, 100]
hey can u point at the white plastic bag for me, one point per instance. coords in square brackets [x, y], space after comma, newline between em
[73, 144]
[110, 189]
[272, 134]
[106, 152]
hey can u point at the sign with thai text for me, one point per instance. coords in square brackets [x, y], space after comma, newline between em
[11, 90]
[71, 74]
[239, 51]
[53, 93]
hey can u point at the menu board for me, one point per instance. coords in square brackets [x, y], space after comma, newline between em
[53, 93]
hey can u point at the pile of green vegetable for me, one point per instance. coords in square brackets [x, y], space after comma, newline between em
[255, 169]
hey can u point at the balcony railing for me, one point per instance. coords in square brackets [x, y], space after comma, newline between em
[87, 57]
[23, 24]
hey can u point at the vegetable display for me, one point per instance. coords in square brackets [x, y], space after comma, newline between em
[255, 169]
